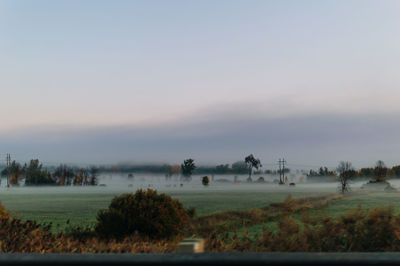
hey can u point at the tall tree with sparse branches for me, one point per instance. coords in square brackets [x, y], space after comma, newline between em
[346, 172]
[380, 171]
[252, 163]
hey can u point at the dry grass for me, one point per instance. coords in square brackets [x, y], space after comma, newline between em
[222, 222]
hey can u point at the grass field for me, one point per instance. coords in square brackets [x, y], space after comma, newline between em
[80, 205]
[337, 208]
[371, 200]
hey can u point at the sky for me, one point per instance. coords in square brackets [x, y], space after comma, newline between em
[313, 81]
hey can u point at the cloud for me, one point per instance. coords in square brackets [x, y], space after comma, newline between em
[212, 137]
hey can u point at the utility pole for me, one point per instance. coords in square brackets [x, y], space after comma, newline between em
[8, 162]
[282, 171]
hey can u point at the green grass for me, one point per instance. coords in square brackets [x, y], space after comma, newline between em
[336, 208]
[255, 231]
[57, 208]
[80, 207]
[211, 202]
[370, 200]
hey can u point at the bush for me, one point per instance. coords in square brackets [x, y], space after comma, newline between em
[149, 214]
[205, 180]
[30, 237]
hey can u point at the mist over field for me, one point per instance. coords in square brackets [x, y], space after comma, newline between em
[173, 126]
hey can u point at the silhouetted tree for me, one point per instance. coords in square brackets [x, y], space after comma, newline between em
[63, 174]
[187, 169]
[36, 175]
[380, 171]
[15, 171]
[396, 170]
[93, 176]
[346, 172]
[252, 163]
[78, 177]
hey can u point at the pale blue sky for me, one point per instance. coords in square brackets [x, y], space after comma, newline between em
[70, 65]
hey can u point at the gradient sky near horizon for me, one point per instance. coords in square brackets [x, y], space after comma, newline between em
[139, 81]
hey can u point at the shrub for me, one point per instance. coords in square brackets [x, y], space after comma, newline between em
[205, 180]
[30, 237]
[149, 214]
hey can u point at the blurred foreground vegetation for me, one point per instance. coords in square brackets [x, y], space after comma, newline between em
[299, 226]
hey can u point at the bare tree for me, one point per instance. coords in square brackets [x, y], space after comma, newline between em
[380, 171]
[346, 172]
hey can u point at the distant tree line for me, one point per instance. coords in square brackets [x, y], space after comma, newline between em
[322, 174]
[379, 172]
[323, 171]
[239, 167]
[35, 174]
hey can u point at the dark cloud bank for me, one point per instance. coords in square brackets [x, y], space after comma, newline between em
[303, 141]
